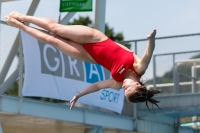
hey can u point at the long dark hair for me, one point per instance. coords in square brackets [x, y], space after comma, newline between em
[143, 95]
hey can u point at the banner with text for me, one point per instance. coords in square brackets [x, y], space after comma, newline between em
[50, 73]
[75, 5]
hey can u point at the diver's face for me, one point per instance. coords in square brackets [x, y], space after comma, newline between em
[130, 86]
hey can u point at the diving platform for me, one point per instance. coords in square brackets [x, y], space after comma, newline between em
[26, 115]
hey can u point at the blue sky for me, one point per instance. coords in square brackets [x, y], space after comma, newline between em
[134, 18]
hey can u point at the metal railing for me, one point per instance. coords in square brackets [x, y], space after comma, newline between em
[176, 83]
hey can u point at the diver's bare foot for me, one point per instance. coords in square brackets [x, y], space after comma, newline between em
[12, 22]
[152, 34]
[16, 15]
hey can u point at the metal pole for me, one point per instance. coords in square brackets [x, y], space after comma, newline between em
[177, 123]
[154, 71]
[194, 77]
[100, 15]
[174, 75]
[194, 89]
[194, 119]
[135, 47]
[177, 81]
[21, 67]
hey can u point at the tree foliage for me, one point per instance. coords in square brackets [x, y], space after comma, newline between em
[81, 21]
[109, 32]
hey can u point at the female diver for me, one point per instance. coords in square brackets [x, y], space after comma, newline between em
[90, 45]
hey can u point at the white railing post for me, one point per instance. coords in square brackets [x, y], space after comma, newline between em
[194, 78]
[154, 71]
[176, 91]
[194, 90]
[136, 48]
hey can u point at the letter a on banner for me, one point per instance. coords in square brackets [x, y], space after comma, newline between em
[75, 5]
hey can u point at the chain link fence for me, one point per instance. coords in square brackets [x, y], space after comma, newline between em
[9, 44]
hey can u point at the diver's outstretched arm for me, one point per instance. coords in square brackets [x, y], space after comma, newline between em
[110, 83]
[146, 58]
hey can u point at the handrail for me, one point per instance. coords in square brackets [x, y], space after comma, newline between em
[170, 84]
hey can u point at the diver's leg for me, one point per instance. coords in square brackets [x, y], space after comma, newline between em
[68, 47]
[77, 33]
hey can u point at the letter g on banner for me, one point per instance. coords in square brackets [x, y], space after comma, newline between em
[50, 60]
[46, 61]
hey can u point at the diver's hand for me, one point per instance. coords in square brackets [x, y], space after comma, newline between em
[73, 101]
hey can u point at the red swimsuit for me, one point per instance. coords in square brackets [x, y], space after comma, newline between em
[111, 56]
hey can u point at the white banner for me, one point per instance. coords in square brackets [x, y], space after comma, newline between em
[50, 73]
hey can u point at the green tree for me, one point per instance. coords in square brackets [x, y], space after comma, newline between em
[109, 32]
[13, 90]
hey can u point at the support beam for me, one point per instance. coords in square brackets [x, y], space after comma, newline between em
[100, 15]
[9, 60]
[14, 49]
[66, 19]
[4, 87]
[31, 11]
[33, 8]
[21, 67]
[35, 108]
